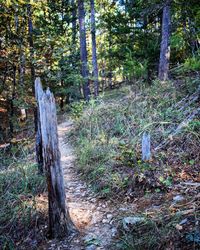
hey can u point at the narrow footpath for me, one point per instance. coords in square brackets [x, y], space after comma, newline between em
[93, 217]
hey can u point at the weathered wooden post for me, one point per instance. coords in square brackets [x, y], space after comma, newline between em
[60, 223]
[38, 141]
[146, 147]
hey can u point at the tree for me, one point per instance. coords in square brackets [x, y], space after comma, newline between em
[165, 47]
[38, 145]
[83, 50]
[73, 5]
[94, 51]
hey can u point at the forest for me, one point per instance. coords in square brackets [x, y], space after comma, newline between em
[100, 124]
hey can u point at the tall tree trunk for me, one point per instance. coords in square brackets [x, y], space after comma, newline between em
[22, 59]
[11, 103]
[39, 156]
[94, 51]
[74, 32]
[165, 47]
[73, 22]
[21, 67]
[30, 32]
[83, 49]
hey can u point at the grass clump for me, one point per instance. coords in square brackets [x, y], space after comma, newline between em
[158, 233]
[20, 215]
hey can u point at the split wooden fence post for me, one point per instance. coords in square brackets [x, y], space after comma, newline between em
[38, 141]
[146, 147]
[60, 224]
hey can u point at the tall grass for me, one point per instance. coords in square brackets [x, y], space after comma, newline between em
[20, 185]
[108, 135]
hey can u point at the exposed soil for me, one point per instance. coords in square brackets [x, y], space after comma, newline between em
[93, 217]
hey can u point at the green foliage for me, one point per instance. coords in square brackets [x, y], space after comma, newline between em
[128, 45]
[109, 132]
[77, 109]
[133, 68]
[166, 181]
[19, 186]
[192, 64]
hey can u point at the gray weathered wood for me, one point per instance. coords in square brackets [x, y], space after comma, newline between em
[60, 223]
[38, 141]
[146, 147]
[165, 46]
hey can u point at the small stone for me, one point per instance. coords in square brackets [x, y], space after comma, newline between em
[111, 222]
[83, 194]
[104, 221]
[104, 206]
[89, 237]
[91, 247]
[155, 207]
[93, 200]
[178, 198]
[109, 216]
[179, 227]
[114, 232]
[123, 209]
[183, 222]
[127, 221]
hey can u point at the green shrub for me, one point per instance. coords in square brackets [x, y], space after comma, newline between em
[77, 109]
[192, 63]
[109, 134]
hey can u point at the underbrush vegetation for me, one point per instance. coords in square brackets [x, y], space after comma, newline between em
[109, 132]
[159, 233]
[22, 212]
[108, 137]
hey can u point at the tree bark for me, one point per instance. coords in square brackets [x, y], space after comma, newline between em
[60, 224]
[94, 50]
[38, 137]
[73, 23]
[22, 59]
[38, 145]
[21, 66]
[165, 47]
[11, 103]
[83, 50]
[74, 33]
[30, 33]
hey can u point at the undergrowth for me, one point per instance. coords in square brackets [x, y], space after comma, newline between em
[159, 233]
[107, 138]
[20, 186]
[109, 131]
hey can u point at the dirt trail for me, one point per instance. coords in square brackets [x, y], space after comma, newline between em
[93, 217]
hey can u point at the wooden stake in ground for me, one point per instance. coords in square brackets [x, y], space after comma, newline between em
[38, 143]
[60, 224]
[146, 147]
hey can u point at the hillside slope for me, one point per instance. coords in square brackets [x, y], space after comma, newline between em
[108, 138]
